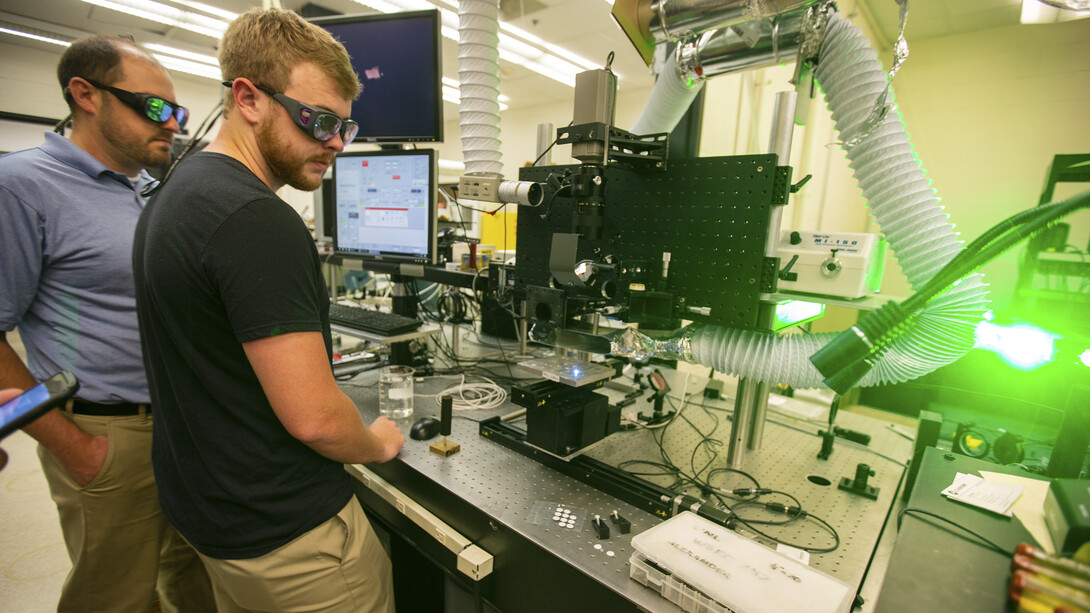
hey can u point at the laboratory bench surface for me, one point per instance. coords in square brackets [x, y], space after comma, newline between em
[939, 567]
[503, 502]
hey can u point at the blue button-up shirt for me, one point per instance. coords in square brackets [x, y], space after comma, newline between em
[66, 235]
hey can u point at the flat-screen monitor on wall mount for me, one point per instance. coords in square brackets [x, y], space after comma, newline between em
[398, 57]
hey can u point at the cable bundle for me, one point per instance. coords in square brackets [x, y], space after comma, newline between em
[474, 396]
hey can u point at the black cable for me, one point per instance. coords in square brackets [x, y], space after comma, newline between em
[711, 475]
[681, 480]
[794, 511]
[546, 152]
[453, 306]
[552, 196]
[849, 356]
[832, 531]
[59, 128]
[198, 135]
[997, 231]
[989, 544]
[351, 374]
[667, 469]
[461, 219]
[993, 243]
[550, 147]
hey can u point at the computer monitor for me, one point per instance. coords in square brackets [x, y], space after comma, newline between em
[386, 206]
[398, 57]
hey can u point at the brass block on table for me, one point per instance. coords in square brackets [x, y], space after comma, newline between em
[445, 448]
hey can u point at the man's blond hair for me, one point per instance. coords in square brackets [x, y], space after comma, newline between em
[264, 45]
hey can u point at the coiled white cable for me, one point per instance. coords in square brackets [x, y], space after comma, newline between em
[474, 396]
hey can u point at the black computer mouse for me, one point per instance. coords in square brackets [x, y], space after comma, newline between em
[424, 428]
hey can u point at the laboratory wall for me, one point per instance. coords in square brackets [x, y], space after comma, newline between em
[987, 111]
[28, 86]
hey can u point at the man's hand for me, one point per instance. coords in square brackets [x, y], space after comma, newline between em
[84, 465]
[391, 436]
[81, 454]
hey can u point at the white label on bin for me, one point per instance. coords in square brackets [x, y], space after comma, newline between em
[399, 393]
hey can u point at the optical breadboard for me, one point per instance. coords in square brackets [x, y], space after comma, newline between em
[710, 214]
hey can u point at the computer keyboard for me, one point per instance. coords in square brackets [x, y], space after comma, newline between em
[376, 322]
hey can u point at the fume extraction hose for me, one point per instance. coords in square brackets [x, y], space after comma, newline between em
[479, 75]
[670, 98]
[906, 208]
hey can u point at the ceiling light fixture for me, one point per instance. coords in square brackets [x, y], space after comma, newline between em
[205, 8]
[557, 50]
[516, 45]
[167, 15]
[172, 59]
[188, 55]
[193, 68]
[37, 37]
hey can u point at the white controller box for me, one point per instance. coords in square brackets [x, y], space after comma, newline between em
[840, 264]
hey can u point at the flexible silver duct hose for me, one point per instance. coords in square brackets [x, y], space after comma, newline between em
[907, 210]
[479, 74]
[682, 76]
[670, 98]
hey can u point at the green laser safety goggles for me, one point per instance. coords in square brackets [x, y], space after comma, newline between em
[319, 125]
[154, 108]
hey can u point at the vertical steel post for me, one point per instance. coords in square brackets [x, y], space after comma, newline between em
[751, 401]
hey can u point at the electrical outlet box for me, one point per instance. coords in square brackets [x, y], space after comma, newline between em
[486, 189]
[841, 264]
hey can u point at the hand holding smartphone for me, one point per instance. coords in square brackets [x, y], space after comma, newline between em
[36, 401]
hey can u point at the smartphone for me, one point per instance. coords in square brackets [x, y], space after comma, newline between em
[36, 401]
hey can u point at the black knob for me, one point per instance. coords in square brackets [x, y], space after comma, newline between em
[796, 238]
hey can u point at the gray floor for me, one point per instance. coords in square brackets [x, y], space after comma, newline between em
[32, 553]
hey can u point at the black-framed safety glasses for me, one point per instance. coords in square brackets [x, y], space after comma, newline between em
[318, 124]
[153, 108]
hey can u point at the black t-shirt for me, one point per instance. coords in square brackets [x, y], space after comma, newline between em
[220, 260]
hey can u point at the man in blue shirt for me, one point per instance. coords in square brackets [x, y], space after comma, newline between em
[68, 209]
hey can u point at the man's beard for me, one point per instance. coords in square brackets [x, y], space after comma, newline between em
[134, 148]
[285, 165]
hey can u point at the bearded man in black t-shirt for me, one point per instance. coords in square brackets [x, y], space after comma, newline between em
[251, 430]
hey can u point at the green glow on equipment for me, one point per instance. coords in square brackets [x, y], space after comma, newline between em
[794, 312]
[1021, 345]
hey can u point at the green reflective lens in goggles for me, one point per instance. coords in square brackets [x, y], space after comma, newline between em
[154, 108]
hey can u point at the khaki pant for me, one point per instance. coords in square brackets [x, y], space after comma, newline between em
[120, 544]
[337, 567]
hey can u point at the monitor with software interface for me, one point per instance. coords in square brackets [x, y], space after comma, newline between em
[398, 57]
[386, 204]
